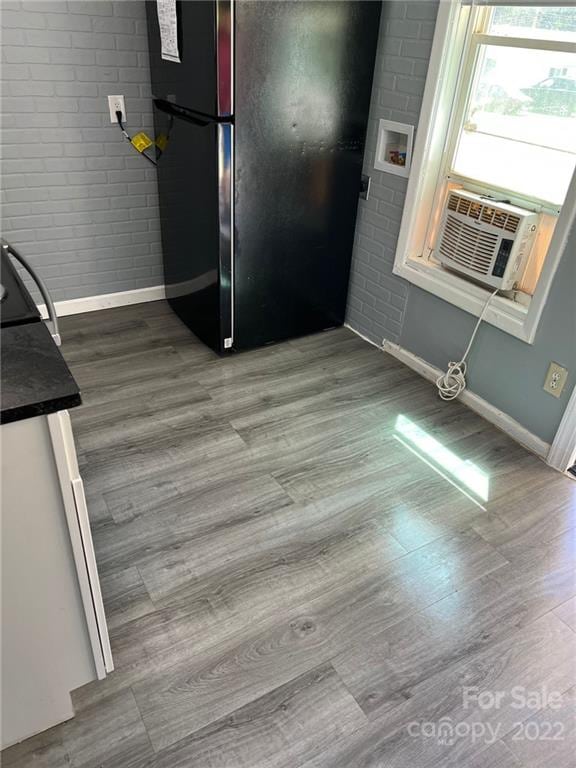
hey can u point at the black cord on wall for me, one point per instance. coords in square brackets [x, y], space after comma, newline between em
[131, 141]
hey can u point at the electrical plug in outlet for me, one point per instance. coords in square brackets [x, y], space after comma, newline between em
[555, 379]
[116, 104]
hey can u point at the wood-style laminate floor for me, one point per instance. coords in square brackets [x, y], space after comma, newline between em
[310, 561]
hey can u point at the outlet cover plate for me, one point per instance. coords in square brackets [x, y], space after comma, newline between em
[555, 379]
[116, 104]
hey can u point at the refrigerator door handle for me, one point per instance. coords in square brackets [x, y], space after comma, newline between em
[198, 118]
[225, 56]
[226, 232]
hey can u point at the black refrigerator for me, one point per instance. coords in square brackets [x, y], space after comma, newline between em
[262, 123]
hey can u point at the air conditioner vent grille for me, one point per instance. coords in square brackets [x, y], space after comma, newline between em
[512, 223]
[488, 214]
[468, 246]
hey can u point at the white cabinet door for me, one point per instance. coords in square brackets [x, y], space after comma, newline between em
[81, 538]
[46, 646]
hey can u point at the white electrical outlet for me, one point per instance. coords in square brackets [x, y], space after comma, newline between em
[555, 379]
[116, 104]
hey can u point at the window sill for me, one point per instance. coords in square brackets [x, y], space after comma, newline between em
[503, 313]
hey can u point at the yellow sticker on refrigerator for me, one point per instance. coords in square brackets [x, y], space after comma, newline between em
[162, 142]
[141, 141]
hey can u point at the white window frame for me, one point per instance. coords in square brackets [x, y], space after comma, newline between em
[436, 116]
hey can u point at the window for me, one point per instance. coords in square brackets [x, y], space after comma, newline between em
[516, 124]
[498, 119]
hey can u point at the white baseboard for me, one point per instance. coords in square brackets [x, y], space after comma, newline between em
[476, 403]
[105, 301]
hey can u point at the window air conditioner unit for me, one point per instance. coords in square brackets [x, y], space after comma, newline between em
[486, 240]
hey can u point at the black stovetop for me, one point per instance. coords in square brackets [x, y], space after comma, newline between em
[16, 304]
[34, 377]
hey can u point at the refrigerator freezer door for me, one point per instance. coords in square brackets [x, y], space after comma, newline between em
[303, 82]
[202, 81]
[194, 181]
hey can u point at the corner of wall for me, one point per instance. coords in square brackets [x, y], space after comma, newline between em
[377, 298]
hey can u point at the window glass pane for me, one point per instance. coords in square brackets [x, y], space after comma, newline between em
[546, 23]
[519, 129]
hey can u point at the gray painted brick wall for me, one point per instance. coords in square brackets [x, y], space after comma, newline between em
[76, 198]
[377, 298]
[502, 370]
[83, 206]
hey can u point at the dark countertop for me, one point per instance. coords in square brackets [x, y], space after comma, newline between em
[35, 379]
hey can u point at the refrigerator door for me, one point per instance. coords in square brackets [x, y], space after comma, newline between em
[202, 81]
[194, 182]
[303, 83]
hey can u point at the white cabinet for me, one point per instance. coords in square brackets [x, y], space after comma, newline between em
[54, 635]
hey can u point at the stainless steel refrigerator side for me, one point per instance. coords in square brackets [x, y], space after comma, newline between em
[226, 232]
[225, 56]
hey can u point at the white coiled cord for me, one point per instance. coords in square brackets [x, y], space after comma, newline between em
[453, 382]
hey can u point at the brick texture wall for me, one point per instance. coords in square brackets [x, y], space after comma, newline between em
[377, 298]
[82, 205]
[77, 199]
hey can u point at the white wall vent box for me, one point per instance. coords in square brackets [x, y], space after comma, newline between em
[394, 147]
[487, 240]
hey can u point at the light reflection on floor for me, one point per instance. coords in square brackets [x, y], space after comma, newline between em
[459, 472]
